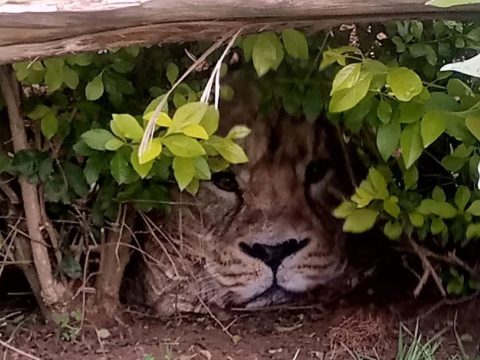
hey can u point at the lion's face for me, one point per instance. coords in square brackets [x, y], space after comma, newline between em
[266, 226]
[262, 230]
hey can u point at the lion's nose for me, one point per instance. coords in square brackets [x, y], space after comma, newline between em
[273, 255]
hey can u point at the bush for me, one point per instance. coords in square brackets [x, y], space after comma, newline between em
[86, 116]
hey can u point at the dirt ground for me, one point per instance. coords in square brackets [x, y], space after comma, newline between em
[365, 322]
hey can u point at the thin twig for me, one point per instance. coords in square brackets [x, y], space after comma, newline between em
[18, 351]
[450, 258]
[10, 193]
[428, 268]
[442, 303]
[459, 340]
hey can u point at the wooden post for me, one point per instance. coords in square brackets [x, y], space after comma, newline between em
[43, 28]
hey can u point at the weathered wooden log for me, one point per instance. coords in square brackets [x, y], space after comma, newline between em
[41, 28]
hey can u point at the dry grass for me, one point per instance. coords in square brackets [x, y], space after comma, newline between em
[361, 333]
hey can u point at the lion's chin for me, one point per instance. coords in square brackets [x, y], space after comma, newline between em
[274, 295]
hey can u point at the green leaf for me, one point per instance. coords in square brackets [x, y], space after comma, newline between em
[94, 167]
[120, 167]
[474, 208]
[184, 171]
[364, 194]
[384, 111]
[330, 57]
[337, 55]
[5, 163]
[141, 169]
[473, 231]
[193, 187]
[410, 177]
[128, 126]
[210, 120]
[388, 138]
[379, 183]
[71, 78]
[390, 205]
[462, 197]
[393, 230]
[473, 125]
[184, 146]
[453, 164]
[264, 54]
[151, 107]
[456, 87]
[404, 83]
[416, 28]
[248, 44]
[114, 144]
[458, 129]
[39, 112]
[97, 138]
[312, 105]
[354, 117]
[295, 44]
[444, 210]
[434, 123]
[163, 119]
[195, 131]
[344, 209]
[226, 93]
[411, 144]
[229, 150]
[54, 76]
[49, 125]
[427, 206]
[360, 220]
[202, 170]
[347, 77]
[76, 179]
[437, 226]
[411, 112]
[217, 164]
[279, 54]
[346, 99]
[456, 285]
[438, 194]
[94, 89]
[71, 267]
[416, 219]
[188, 114]
[80, 59]
[374, 67]
[172, 73]
[238, 132]
[154, 149]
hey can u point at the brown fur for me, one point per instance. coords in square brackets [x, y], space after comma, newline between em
[199, 260]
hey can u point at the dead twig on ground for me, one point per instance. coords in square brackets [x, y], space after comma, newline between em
[427, 268]
[459, 340]
[18, 351]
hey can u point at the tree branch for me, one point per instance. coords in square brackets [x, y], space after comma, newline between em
[52, 291]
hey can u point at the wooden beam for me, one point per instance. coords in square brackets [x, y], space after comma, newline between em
[42, 28]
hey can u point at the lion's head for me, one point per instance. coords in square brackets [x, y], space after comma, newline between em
[261, 230]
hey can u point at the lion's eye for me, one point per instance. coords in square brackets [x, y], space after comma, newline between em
[316, 170]
[226, 181]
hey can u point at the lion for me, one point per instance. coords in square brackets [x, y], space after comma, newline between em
[259, 233]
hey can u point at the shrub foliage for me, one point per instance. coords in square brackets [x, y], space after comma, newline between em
[416, 129]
